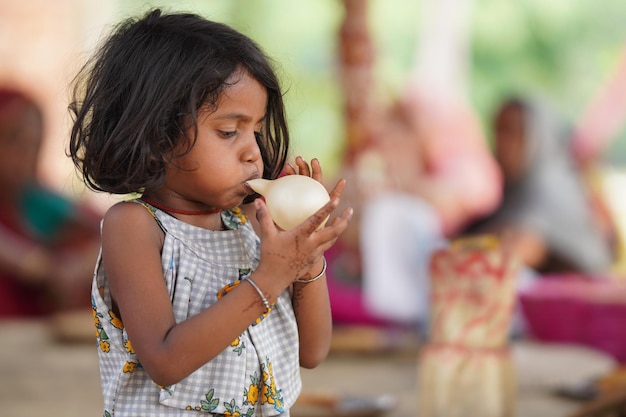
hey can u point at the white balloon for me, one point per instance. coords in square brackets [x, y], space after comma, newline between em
[291, 199]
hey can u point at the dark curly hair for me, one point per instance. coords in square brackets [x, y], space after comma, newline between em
[135, 100]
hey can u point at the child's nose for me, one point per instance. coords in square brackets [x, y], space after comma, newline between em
[252, 151]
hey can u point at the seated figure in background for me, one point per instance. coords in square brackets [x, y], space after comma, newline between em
[547, 210]
[48, 243]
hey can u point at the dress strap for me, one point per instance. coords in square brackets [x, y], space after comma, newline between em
[152, 210]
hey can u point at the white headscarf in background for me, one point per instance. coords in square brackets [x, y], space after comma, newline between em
[551, 199]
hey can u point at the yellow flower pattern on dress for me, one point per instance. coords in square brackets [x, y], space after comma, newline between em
[238, 345]
[207, 405]
[252, 396]
[104, 346]
[101, 335]
[129, 347]
[129, 367]
[115, 321]
[252, 393]
[234, 410]
[269, 392]
[235, 218]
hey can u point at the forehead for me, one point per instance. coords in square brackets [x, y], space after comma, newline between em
[243, 97]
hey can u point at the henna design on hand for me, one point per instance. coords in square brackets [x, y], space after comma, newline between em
[312, 228]
[300, 261]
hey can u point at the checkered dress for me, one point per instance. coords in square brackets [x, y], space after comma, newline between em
[257, 375]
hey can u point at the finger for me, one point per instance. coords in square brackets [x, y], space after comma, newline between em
[337, 225]
[317, 170]
[263, 216]
[290, 169]
[328, 236]
[338, 190]
[314, 222]
[346, 216]
[303, 167]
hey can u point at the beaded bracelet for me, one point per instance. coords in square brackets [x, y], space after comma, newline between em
[315, 278]
[266, 303]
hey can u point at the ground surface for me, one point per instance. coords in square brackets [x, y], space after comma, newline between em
[39, 376]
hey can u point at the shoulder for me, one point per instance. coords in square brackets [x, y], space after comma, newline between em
[130, 220]
[127, 211]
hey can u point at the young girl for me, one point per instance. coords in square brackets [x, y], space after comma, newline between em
[194, 311]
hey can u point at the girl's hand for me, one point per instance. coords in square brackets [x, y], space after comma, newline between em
[304, 169]
[290, 255]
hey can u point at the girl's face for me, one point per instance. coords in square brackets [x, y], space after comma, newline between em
[226, 154]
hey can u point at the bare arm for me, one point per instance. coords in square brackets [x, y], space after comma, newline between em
[313, 314]
[311, 300]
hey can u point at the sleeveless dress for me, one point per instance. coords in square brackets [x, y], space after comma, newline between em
[257, 375]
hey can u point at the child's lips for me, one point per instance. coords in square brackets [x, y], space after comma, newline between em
[247, 187]
[249, 190]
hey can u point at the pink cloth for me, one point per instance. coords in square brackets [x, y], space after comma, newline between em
[578, 309]
[344, 285]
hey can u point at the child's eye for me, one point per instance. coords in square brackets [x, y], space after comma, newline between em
[227, 134]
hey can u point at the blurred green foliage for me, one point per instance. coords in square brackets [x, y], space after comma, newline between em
[562, 50]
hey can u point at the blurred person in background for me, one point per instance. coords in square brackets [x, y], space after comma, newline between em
[556, 222]
[418, 165]
[48, 243]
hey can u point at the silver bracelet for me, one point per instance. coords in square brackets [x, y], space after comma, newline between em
[316, 277]
[266, 303]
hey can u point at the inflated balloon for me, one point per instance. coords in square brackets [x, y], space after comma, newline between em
[291, 199]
